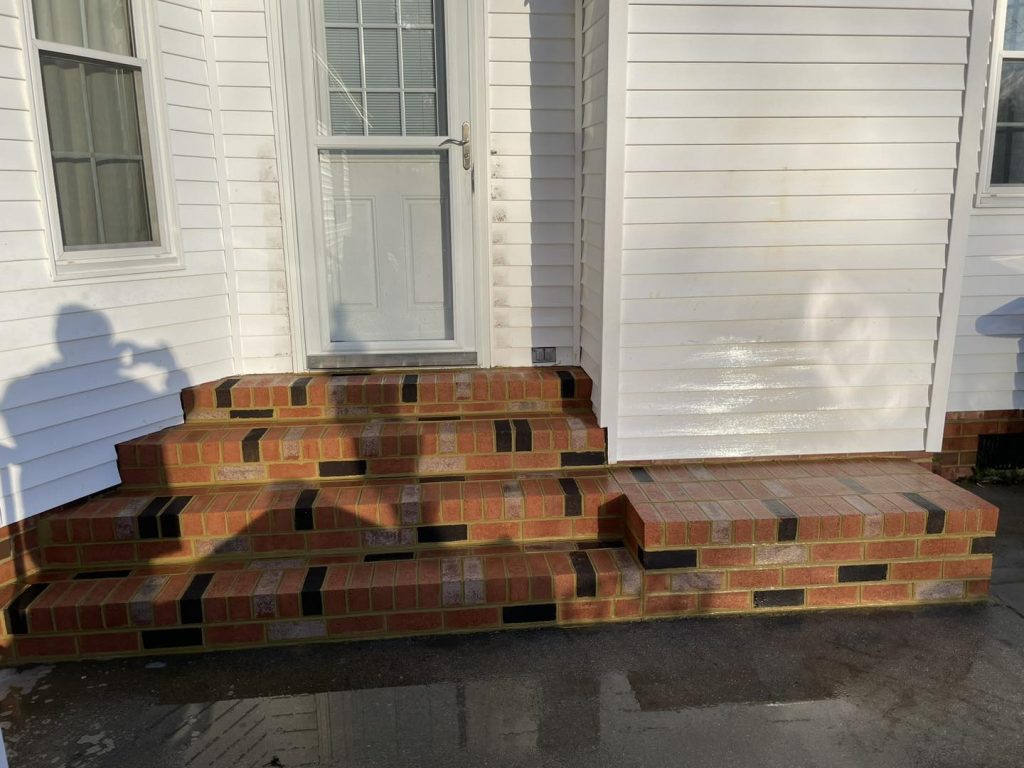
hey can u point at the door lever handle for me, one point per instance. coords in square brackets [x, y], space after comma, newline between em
[466, 143]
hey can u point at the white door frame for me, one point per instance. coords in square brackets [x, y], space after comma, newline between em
[291, 21]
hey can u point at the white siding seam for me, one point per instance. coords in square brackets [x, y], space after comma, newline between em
[222, 186]
[614, 209]
[963, 203]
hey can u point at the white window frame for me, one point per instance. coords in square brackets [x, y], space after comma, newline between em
[82, 262]
[989, 194]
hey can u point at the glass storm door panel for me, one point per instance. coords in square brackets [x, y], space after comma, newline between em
[390, 184]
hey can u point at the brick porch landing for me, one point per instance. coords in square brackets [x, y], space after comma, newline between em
[380, 553]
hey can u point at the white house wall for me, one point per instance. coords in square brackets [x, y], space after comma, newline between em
[129, 343]
[533, 185]
[788, 173]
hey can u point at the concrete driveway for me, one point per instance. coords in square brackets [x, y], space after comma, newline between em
[929, 687]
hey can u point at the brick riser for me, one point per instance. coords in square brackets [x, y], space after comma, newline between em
[333, 519]
[192, 456]
[294, 397]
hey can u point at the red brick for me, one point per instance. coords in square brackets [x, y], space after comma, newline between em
[109, 642]
[755, 579]
[60, 555]
[469, 618]
[628, 608]
[940, 547]
[831, 553]
[831, 596]
[889, 550]
[589, 610]
[801, 577]
[236, 634]
[978, 588]
[667, 605]
[414, 622]
[885, 593]
[967, 569]
[37, 647]
[724, 601]
[353, 625]
[914, 571]
[711, 556]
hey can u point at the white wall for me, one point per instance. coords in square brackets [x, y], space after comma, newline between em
[66, 401]
[534, 206]
[245, 105]
[788, 172]
[594, 84]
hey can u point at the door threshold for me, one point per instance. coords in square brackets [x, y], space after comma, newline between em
[392, 360]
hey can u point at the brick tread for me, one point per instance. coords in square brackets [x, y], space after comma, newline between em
[190, 455]
[800, 501]
[288, 397]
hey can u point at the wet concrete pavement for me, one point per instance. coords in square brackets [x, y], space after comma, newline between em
[941, 686]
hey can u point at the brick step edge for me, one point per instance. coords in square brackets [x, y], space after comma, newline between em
[187, 455]
[512, 584]
[123, 529]
[428, 393]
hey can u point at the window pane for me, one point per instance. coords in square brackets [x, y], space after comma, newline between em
[417, 12]
[420, 114]
[343, 58]
[93, 116]
[76, 202]
[379, 12]
[346, 117]
[1013, 37]
[64, 95]
[381, 56]
[123, 201]
[418, 58]
[384, 114]
[340, 11]
[106, 25]
[1008, 156]
[113, 109]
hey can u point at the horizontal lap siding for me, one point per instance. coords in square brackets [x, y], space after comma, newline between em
[594, 97]
[128, 344]
[532, 95]
[987, 372]
[245, 106]
[789, 169]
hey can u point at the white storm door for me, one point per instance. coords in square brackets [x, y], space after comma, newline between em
[387, 267]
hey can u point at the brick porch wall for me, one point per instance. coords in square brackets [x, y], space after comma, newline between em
[960, 438]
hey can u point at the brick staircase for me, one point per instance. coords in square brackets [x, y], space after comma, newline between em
[300, 508]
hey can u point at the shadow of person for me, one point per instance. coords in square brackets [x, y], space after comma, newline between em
[1008, 321]
[51, 411]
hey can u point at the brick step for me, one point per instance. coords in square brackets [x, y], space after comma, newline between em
[202, 608]
[357, 517]
[191, 455]
[301, 397]
[797, 501]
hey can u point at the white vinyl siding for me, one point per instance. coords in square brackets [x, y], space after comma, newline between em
[532, 101]
[245, 104]
[987, 372]
[65, 406]
[594, 81]
[788, 176]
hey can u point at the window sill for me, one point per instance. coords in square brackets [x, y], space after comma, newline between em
[96, 266]
[1001, 200]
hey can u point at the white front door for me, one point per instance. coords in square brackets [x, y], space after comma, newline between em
[380, 110]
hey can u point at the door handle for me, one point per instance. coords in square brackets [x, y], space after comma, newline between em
[466, 142]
